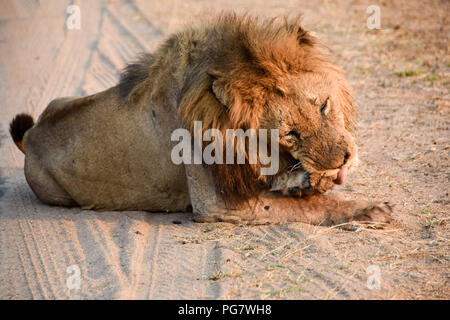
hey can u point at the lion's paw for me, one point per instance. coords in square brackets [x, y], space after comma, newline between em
[378, 214]
[299, 183]
[318, 183]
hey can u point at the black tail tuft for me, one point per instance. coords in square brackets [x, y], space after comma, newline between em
[19, 125]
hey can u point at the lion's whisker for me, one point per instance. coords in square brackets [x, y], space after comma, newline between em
[295, 166]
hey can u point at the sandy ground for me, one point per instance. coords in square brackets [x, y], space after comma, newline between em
[401, 78]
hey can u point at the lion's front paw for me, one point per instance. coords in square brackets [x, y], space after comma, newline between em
[291, 183]
[378, 213]
[300, 183]
[318, 184]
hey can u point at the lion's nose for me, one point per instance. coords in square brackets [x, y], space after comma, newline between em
[347, 156]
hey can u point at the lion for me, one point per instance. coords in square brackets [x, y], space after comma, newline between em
[112, 150]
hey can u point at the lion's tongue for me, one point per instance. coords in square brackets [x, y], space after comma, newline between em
[341, 176]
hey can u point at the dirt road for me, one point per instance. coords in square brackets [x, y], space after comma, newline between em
[401, 79]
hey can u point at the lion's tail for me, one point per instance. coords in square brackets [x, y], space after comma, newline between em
[17, 128]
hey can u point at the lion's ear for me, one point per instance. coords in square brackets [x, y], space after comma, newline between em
[218, 88]
[241, 114]
[221, 95]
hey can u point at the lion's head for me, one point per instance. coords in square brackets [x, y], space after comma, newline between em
[273, 75]
[310, 115]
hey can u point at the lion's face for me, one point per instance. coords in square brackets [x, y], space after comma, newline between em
[308, 113]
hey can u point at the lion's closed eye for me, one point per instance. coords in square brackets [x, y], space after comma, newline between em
[325, 108]
[295, 134]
